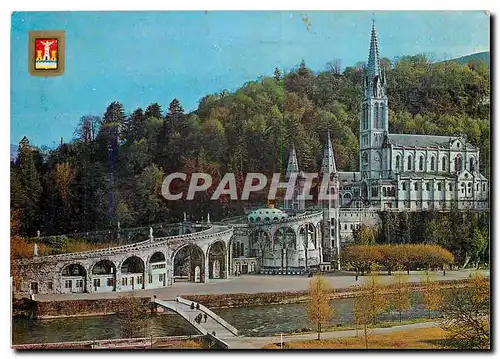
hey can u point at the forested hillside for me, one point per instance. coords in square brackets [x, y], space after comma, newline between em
[112, 171]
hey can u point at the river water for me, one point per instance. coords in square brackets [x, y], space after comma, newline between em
[250, 321]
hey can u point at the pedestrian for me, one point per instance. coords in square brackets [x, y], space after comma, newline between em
[205, 317]
[198, 306]
[356, 276]
[213, 333]
[192, 305]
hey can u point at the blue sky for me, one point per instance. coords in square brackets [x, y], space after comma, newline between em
[139, 58]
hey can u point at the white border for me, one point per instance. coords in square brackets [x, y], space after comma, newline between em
[25, 5]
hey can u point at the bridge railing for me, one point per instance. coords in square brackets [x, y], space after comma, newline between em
[214, 316]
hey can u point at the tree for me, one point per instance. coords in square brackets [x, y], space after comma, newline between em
[364, 234]
[400, 297]
[63, 177]
[466, 314]
[369, 302]
[29, 186]
[319, 308]
[431, 295]
[277, 74]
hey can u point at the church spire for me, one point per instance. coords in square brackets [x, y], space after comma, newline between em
[373, 56]
[328, 166]
[293, 164]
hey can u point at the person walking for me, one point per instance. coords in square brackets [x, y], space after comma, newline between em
[198, 306]
[205, 316]
[192, 305]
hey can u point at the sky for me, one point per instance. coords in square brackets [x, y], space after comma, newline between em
[138, 58]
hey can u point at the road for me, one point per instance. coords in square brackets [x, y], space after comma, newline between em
[249, 284]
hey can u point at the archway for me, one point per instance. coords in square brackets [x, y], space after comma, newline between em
[132, 271]
[189, 264]
[74, 279]
[364, 190]
[104, 276]
[259, 242]
[157, 270]
[286, 239]
[217, 260]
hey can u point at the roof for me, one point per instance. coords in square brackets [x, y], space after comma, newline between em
[266, 215]
[420, 140]
[349, 176]
[426, 175]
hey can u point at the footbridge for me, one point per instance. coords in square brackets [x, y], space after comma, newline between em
[213, 324]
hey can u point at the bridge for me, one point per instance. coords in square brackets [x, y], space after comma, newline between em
[213, 324]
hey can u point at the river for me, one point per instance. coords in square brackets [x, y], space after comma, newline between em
[250, 321]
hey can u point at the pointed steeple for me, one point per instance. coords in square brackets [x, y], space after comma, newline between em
[328, 166]
[293, 164]
[373, 67]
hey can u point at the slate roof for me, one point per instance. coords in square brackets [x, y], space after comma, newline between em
[420, 140]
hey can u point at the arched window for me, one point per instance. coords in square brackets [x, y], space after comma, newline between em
[382, 115]
[398, 159]
[433, 160]
[458, 163]
[421, 163]
[471, 164]
[409, 163]
[376, 116]
[444, 164]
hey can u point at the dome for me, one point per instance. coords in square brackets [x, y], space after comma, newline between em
[266, 215]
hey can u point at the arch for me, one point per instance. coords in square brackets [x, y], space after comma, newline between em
[398, 163]
[433, 163]
[409, 164]
[186, 259]
[217, 260]
[364, 159]
[458, 163]
[346, 199]
[104, 266]
[157, 257]
[376, 115]
[260, 241]
[364, 190]
[73, 278]
[472, 164]
[104, 276]
[132, 264]
[421, 163]
[443, 164]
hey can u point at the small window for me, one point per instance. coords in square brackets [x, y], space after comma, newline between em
[451, 186]
[404, 186]
[139, 279]
[416, 186]
[68, 284]
[427, 186]
[49, 285]
[79, 283]
[125, 281]
[345, 226]
[97, 282]
[439, 186]
[484, 187]
[109, 282]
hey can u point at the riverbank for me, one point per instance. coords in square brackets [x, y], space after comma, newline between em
[98, 307]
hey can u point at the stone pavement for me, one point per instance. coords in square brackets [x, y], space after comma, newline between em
[259, 342]
[250, 284]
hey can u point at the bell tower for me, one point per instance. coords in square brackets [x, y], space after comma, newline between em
[374, 119]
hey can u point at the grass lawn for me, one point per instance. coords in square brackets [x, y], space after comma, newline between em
[428, 338]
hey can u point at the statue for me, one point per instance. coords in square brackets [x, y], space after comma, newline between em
[151, 233]
[35, 250]
[208, 217]
[118, 224]
[46, 49]
[185, 217]
[38, 233]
